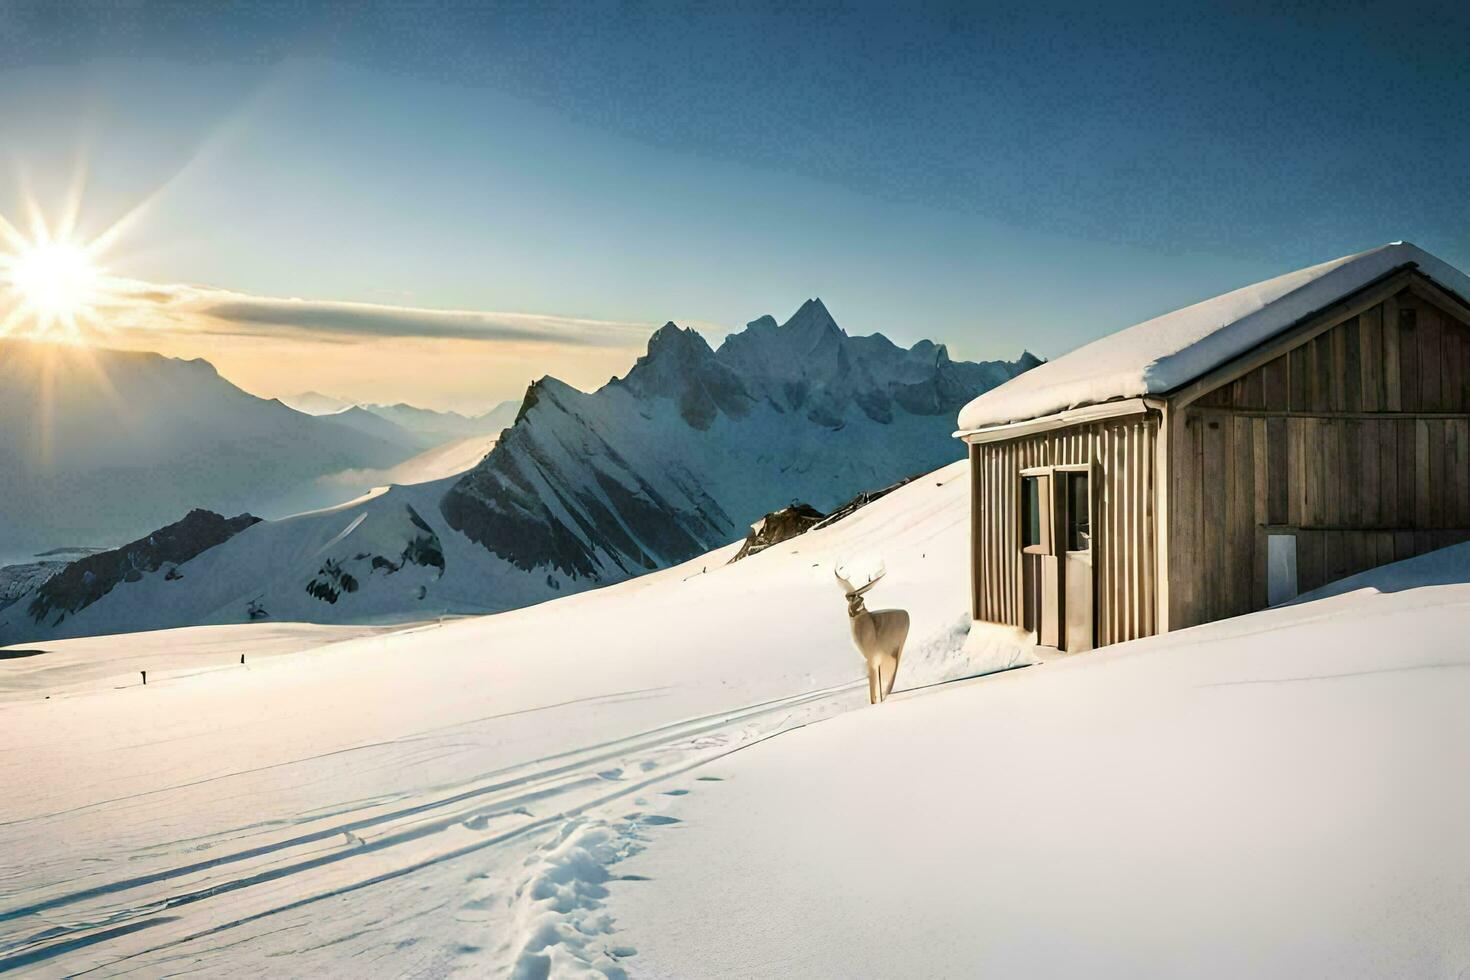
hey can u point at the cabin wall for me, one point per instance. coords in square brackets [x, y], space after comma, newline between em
[1121, 452]
[1357, 442]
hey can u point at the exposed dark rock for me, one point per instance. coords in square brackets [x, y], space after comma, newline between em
[331, 581]
[85, 581]
[17, 580]
[777, 526]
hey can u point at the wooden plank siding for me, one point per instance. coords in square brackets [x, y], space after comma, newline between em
[1357, 440]
[1121, 453]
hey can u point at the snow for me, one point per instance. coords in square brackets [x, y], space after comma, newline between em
[1278, 795]
[1163, 353]
[32, 671]
[1443, 567]
[393, 803]
[679, 776]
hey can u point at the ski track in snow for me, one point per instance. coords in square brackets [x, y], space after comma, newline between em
[551, 807]
[438, 800]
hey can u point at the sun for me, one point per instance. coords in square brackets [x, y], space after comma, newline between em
[51, 286]
[56, 279]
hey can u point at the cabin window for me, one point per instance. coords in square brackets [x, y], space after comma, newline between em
[1033, 514]
[1280, 568]
[1079, 513]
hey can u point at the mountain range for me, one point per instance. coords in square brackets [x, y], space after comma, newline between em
[100, 446]
[677, 457]
[429, 427]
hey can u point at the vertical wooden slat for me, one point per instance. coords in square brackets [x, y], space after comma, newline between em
[1407, 465]
[1135, 529]
[1212, 501]
[1298, 399]
[1243, 522]
[1371, 493]
[1436, 430]
[1118, 567]
[1322, 373]
[1410, 362]
[1328, 443]
[1149, 599]
[1421, 474]
[1388, 472]
[1388, 315]
[1350, 365]
[1452, 389]
[1370, 332]
[1296, 457]
[1338, 367]
[1430, 396]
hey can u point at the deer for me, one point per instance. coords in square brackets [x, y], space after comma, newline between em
[878, 635]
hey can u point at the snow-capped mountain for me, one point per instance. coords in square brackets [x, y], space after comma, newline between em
[677, 457]
[694, 444]
[101, 446]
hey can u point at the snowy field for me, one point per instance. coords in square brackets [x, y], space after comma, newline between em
[679, 776]
[1280, 795]
[391, 803]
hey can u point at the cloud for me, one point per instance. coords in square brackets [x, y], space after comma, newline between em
[206, 309]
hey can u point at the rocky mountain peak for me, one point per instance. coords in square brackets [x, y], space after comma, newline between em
[674, 340]
[812, 318]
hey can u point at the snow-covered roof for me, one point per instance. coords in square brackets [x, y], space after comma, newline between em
[1161, 354]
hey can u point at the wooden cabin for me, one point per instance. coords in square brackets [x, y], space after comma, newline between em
[1228, 456]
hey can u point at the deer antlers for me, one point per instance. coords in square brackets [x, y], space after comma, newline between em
[847, 586]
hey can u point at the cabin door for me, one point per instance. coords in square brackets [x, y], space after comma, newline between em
[1075, 540]
[1056, 557]
[1041, 578]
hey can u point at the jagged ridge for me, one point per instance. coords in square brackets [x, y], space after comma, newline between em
[694, 443]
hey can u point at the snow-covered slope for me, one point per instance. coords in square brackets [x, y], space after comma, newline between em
[1163, 353]
[693, 444]
[99, 446]
[370, 807]
[388, 556]
[601, 785]
[1278, 795]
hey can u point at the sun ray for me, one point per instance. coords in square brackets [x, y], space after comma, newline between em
[71, 209]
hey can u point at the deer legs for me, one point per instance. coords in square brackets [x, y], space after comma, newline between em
[879, 686]
[892, 673]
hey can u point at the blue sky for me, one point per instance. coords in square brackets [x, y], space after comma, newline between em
[992, 178]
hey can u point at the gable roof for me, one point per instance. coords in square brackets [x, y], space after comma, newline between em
[1161, 354]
